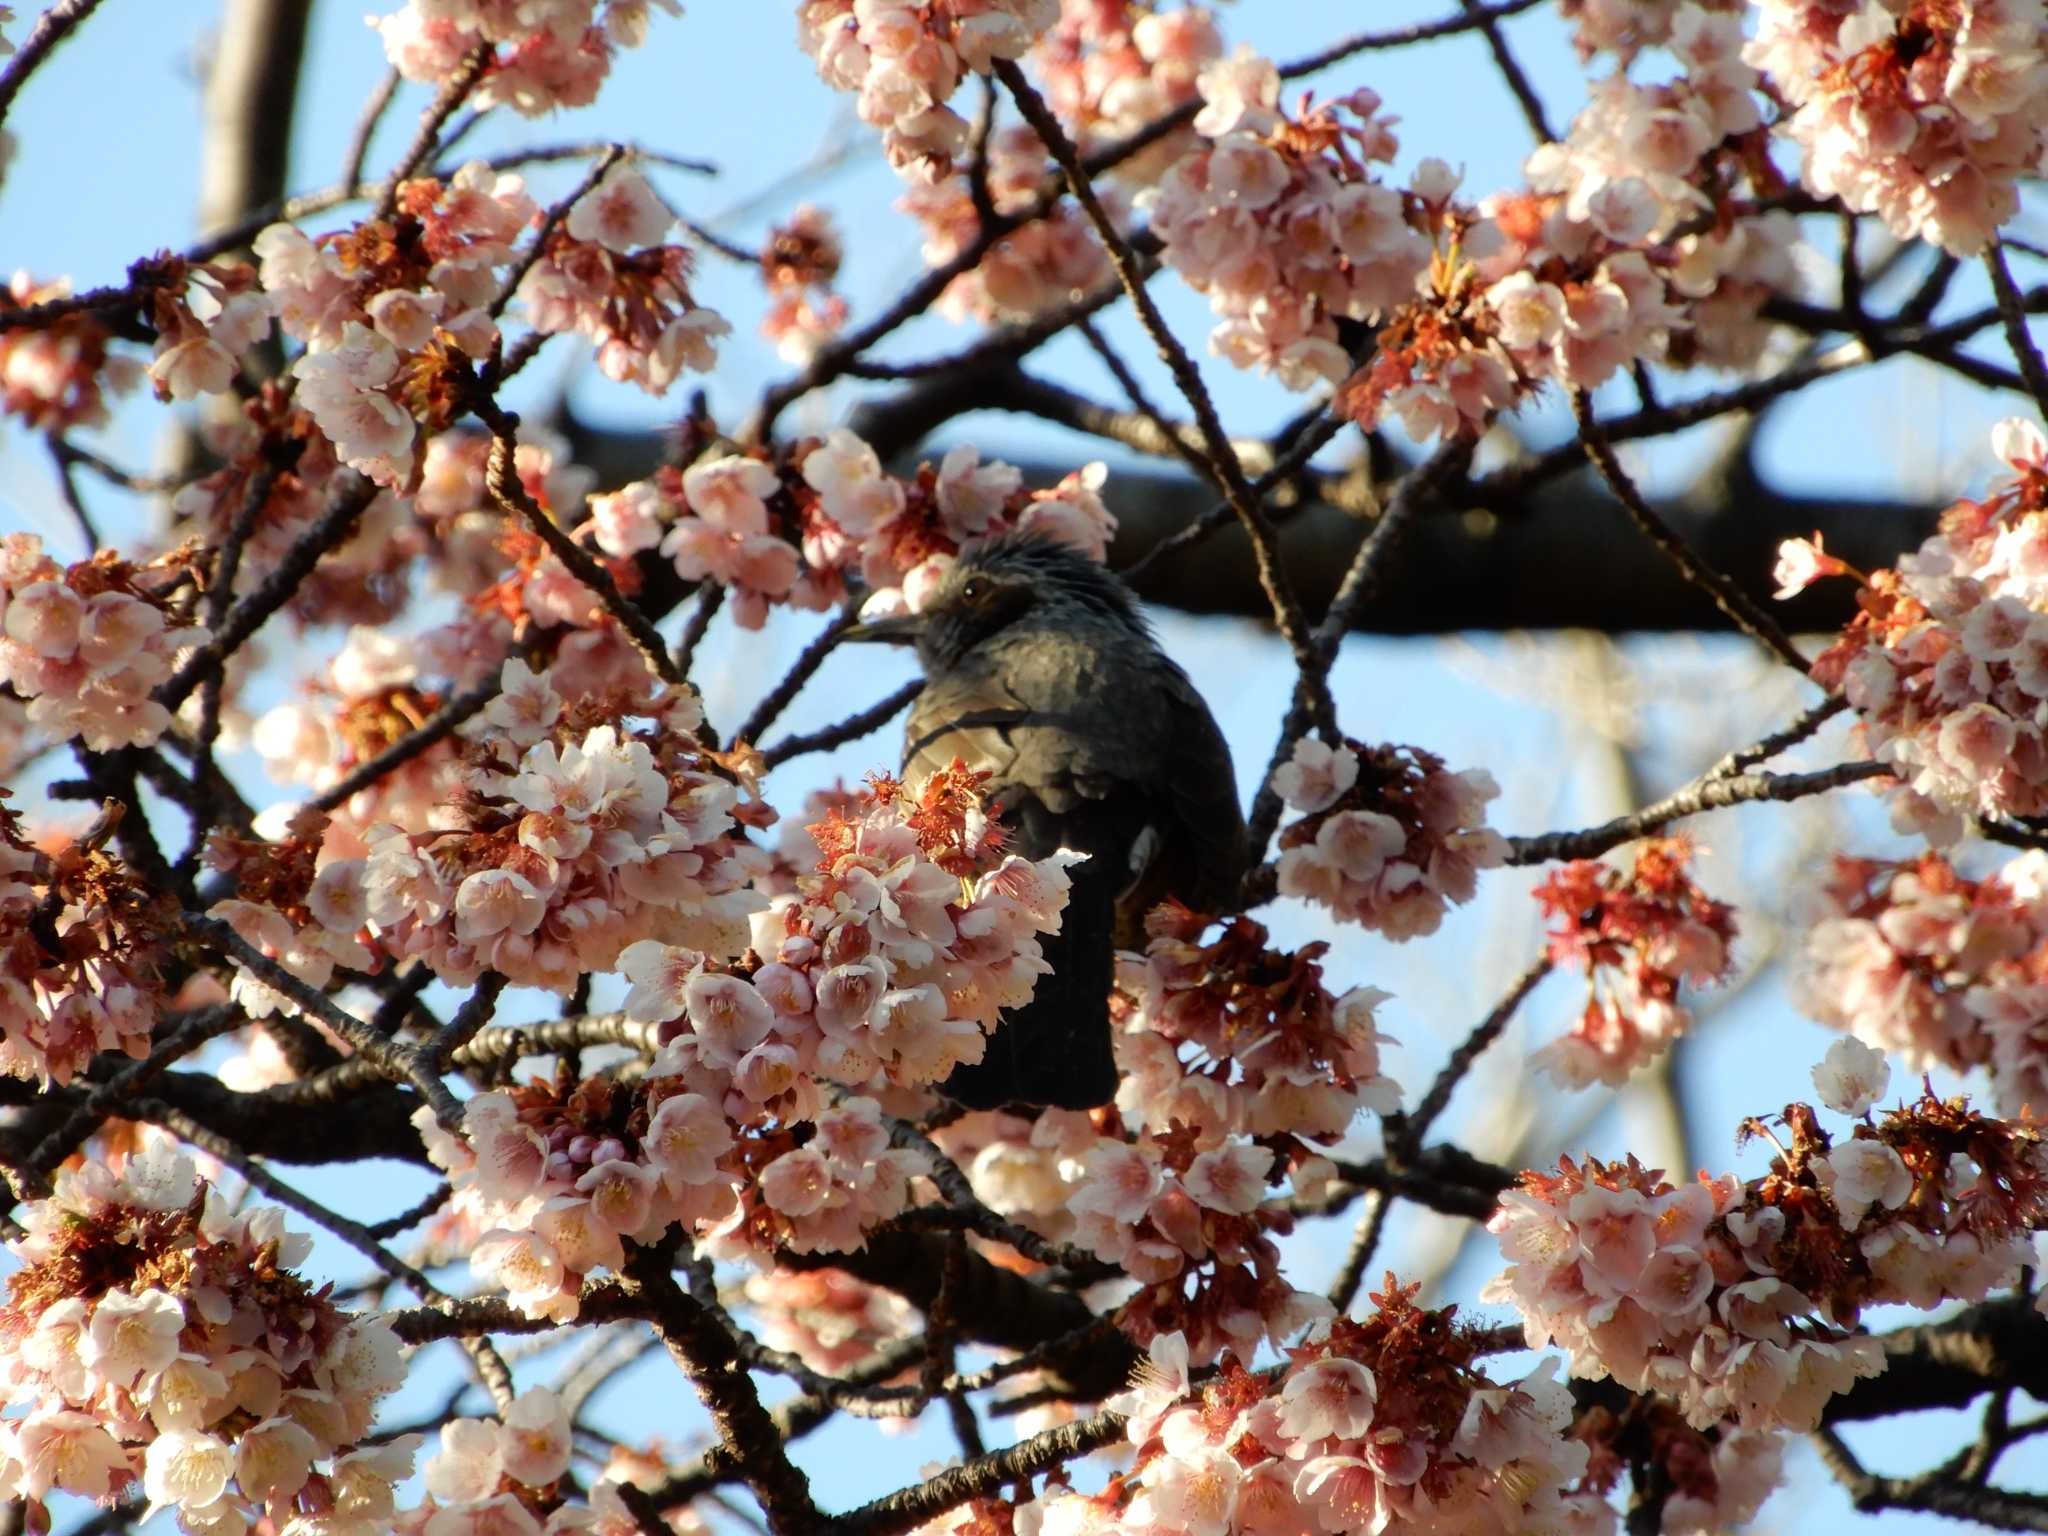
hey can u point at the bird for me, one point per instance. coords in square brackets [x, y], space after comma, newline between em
[1041, 669]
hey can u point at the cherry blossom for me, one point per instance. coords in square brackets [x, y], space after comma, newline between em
[1923, 113]
[1638, 937]
[58, 376]
[1282, 224]
[543, 55]
[87, 646]
[87, 980]
[1736, 1300]
[1911, 957]
[1112, 67]
[905, 63]
[568, 848]
[307, 916]
[1274, 1053]
[1399, 843]
[1946, 661]
[798, 263]
[1380, 1423]
[156, 1331]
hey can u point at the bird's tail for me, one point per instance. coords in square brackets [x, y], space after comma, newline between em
[1055, 1050]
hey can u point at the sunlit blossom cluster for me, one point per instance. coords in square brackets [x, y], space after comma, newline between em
[1912, 958]
[1112, 67]
[1946, 661]
[1631, 243]
[1384, 1423]
[1036, 268]
[389, 308]
[1624, 28]
[904, 63]
[1195, 1224]
[1389, 837]
[727, 519]
[80, 944]
[551, 1178]
[1282, 222]
[892, 958]
[1230, 1037]
[1636, 937]
[207, 315]
[576, 840]
[88, 645]
[462, 528]
[794, 532]
[307, 915]
[605, 274]
[542, 54]
[58, 376]
[1735, 1299]
[1924, 112]
[370, 698]
[798, 264]
[155, 1332]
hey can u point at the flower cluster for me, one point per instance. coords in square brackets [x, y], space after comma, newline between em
[1734, 1299]
[1275, 1053]
[390, 308]
[490, 1475]
[307, 916]
[1040, 266]
[1911, 957]
[80, 944]
[88, 645]
[207, 316]
[1630, 244]
[1377, 1424]
[553, 1177]
[1637, 936]
[274, 458]
[1716, 1480]
[542, 54]
[57, 376]
[793, 530]
[371, 698]
[1946, 661]
[605, 274]
[1281, 222]
[718, 521]
[1190, 1220]
[1112, 67]
[578, 837]
[798, 263]
[1389, 838]
[156, 1332]
[893, 957]
[905, 62]
[1625, 27]
[901, 535]
[1924, 112]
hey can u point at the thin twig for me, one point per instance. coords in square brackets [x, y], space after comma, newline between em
[852, 728]
[2012, 311]
[366, 128]
[451, 96]
[1706, 793]
[51, 28]
[1740, 608]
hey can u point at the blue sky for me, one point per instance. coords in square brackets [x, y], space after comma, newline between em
[1565, 726]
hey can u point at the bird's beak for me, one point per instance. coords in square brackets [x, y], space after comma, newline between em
[902, 629]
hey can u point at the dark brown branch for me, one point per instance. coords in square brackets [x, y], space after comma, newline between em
[706, 1354]
[51, 28]
[981, 1477]
[1729, 598]
[852, 728]
[2012, 312]
[1703, 794]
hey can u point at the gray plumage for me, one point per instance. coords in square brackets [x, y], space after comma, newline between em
[1041, 669]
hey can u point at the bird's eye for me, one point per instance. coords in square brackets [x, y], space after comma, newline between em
[975, 590]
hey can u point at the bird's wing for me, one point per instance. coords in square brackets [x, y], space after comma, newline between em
[1063, 726]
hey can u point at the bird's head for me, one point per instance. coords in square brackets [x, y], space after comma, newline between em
[1017, 578]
